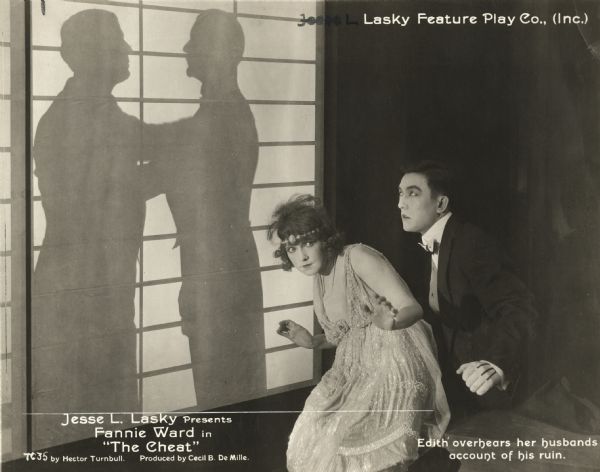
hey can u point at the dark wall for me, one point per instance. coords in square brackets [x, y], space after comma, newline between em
[512, 109]
[399, 94]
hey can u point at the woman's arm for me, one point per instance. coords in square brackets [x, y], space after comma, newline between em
[395, 308]
[320, 342]
[300, 336]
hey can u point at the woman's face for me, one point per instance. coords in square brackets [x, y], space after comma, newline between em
[308, 257]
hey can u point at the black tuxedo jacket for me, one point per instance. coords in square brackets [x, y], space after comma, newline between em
[486, 312]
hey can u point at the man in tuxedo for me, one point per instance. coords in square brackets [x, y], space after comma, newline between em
[482, 315]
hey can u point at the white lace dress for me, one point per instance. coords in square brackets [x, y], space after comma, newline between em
[382, 393]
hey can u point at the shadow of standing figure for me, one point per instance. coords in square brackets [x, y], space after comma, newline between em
[86, 153]
[207, 170]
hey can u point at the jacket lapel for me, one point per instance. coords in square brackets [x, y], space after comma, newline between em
[445, 250]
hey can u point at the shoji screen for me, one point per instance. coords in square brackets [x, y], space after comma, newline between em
[280, 76]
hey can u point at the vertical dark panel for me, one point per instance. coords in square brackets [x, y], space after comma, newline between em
[20, 156]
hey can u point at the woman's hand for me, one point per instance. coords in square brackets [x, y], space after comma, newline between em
[296, 333]
[383, 314]
[402, 310]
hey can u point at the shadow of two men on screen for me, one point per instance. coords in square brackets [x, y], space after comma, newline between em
[96, 166]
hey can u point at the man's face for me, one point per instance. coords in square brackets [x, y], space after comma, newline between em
[197, 53]
[418, 206]
[103, 62]
[117, 51]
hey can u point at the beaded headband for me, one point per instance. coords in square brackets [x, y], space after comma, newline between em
[294, 239]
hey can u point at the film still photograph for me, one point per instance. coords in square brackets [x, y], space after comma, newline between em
[304, 236]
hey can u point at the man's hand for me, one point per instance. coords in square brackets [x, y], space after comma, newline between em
[479, 376]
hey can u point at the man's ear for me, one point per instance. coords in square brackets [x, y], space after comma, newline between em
[442, 204]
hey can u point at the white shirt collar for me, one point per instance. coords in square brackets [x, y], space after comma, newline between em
[436, 231]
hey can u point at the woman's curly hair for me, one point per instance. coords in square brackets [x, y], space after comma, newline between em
[300, 215]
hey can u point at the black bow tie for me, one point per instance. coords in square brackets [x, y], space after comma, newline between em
[432, 248]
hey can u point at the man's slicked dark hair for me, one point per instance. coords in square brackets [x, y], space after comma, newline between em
[440, 178]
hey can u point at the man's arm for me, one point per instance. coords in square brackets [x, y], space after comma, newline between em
[157, 157]
[506, 302]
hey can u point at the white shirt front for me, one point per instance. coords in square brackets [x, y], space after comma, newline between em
[435, 234]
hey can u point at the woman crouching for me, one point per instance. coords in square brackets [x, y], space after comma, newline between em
[384, 389]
